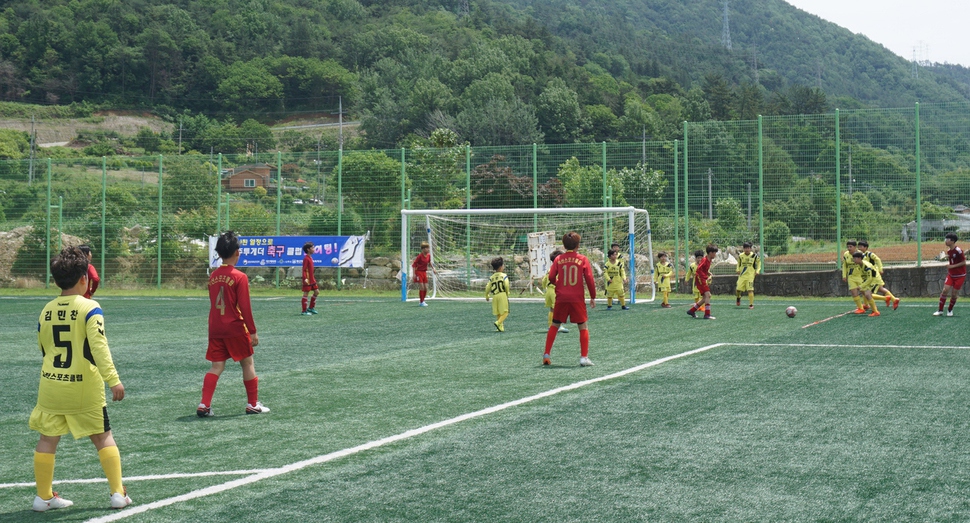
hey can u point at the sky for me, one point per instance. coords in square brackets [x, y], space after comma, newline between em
[938, 29]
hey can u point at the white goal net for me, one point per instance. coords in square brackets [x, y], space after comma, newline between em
[464, 241]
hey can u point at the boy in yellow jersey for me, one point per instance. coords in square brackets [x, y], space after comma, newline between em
[71, 398]
[661, 276]
[852, 275]
[749, 264]
[498, 288]
[876, 262]
[871, 280]
[689, 277]
[616, 280]
[550, 291]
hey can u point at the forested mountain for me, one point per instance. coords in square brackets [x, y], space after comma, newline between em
[495, 71]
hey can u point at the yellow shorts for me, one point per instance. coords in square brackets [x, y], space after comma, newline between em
[854, 283]
[500, 305]
[614, 293]
[79, 425]
[746, 284]
[551, 299]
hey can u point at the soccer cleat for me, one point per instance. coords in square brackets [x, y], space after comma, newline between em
[709, 317]
[889, 301]
[501, 327]
[949, 313]
[859, 311]
[423, 304]
[203, 411]
[625, 308]
[43, 505]
[585, 362]
[938, 313]
[546, 359]
[258, 408]
[563, 329]
[865, 306]
[750, 306]
[306, 313]
[692, 314]
[312, 311]
[737, 302]
[665, 306]
[120, 499]
[895, 303]
[609, 307]
[497, 327]
[876, 313]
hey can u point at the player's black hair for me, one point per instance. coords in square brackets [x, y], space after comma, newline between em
[68, 267]
[746, 244]
[570, 240]
[858, 254]
[554, 254]
[698, 253]
[863, 243]
[227, 245]
[84, 248]
[712, 248]
[850, 242]
[661, 254]
[497, 263]
[951, 236]
[615, 246]
[308, 247]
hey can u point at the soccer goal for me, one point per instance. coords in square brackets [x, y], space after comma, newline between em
[464, 241]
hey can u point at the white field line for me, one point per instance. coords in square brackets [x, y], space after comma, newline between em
[143, 478]
[270, 473]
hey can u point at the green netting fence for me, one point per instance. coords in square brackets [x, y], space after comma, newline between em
[795, 186]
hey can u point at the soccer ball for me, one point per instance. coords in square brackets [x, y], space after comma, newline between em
[791, 312]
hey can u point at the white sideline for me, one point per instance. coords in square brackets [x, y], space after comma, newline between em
[269, 473]
[142, 478]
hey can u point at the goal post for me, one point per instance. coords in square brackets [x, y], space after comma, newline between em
[464, 241]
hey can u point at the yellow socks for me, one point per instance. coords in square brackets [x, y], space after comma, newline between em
[751, 298]
[858, 301]
[550, 318]
[111, 463]
[44, 474]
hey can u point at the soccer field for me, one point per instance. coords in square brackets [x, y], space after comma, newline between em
[385, 411]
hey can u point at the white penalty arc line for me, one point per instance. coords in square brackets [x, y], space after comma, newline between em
[829, 318]
[844, 346]
[270, 473]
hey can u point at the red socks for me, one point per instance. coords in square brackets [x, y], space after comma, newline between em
[209, 388]
[551, 337]
[313, 302]
[304, 304]
[252, 390]
[584, 343]
[422, 294]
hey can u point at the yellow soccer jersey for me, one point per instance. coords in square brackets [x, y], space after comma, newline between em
[748, 265]
[872, 258]
[662, 275]
[690, 272]
[549, 290]
[498, 290]
[848, 265]
[871, 279]
[614, 273]
[77, 360]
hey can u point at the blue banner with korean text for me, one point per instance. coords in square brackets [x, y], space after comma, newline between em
[287, 251]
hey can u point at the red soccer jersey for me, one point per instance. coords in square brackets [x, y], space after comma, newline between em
[93, 281]
[308, 277]
[421, 262]
[568, 273]
[230, 313]
[955, 255]
[703, 271]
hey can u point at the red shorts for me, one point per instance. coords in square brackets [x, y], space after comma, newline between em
[574, 311]
[702, 287]
[420, 276]
[311, 287]
[221, 349]
[956, 283]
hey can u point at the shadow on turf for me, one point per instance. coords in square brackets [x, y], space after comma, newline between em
[62, 514]
[211, 419]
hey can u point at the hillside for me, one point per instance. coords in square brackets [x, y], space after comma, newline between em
[494, 71]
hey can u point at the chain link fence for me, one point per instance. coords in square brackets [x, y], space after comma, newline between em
[797, 187]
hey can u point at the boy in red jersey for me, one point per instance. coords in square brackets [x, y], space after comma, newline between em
[420, 265]
[568, 273]
[232, 332]
[701, 275]
[309, 281]
[956, 273]
[93, 280]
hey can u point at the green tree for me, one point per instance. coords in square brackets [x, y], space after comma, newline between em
[189, 183]
[248, 85]
[558, 112]
[372, 181]
[583, 186]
